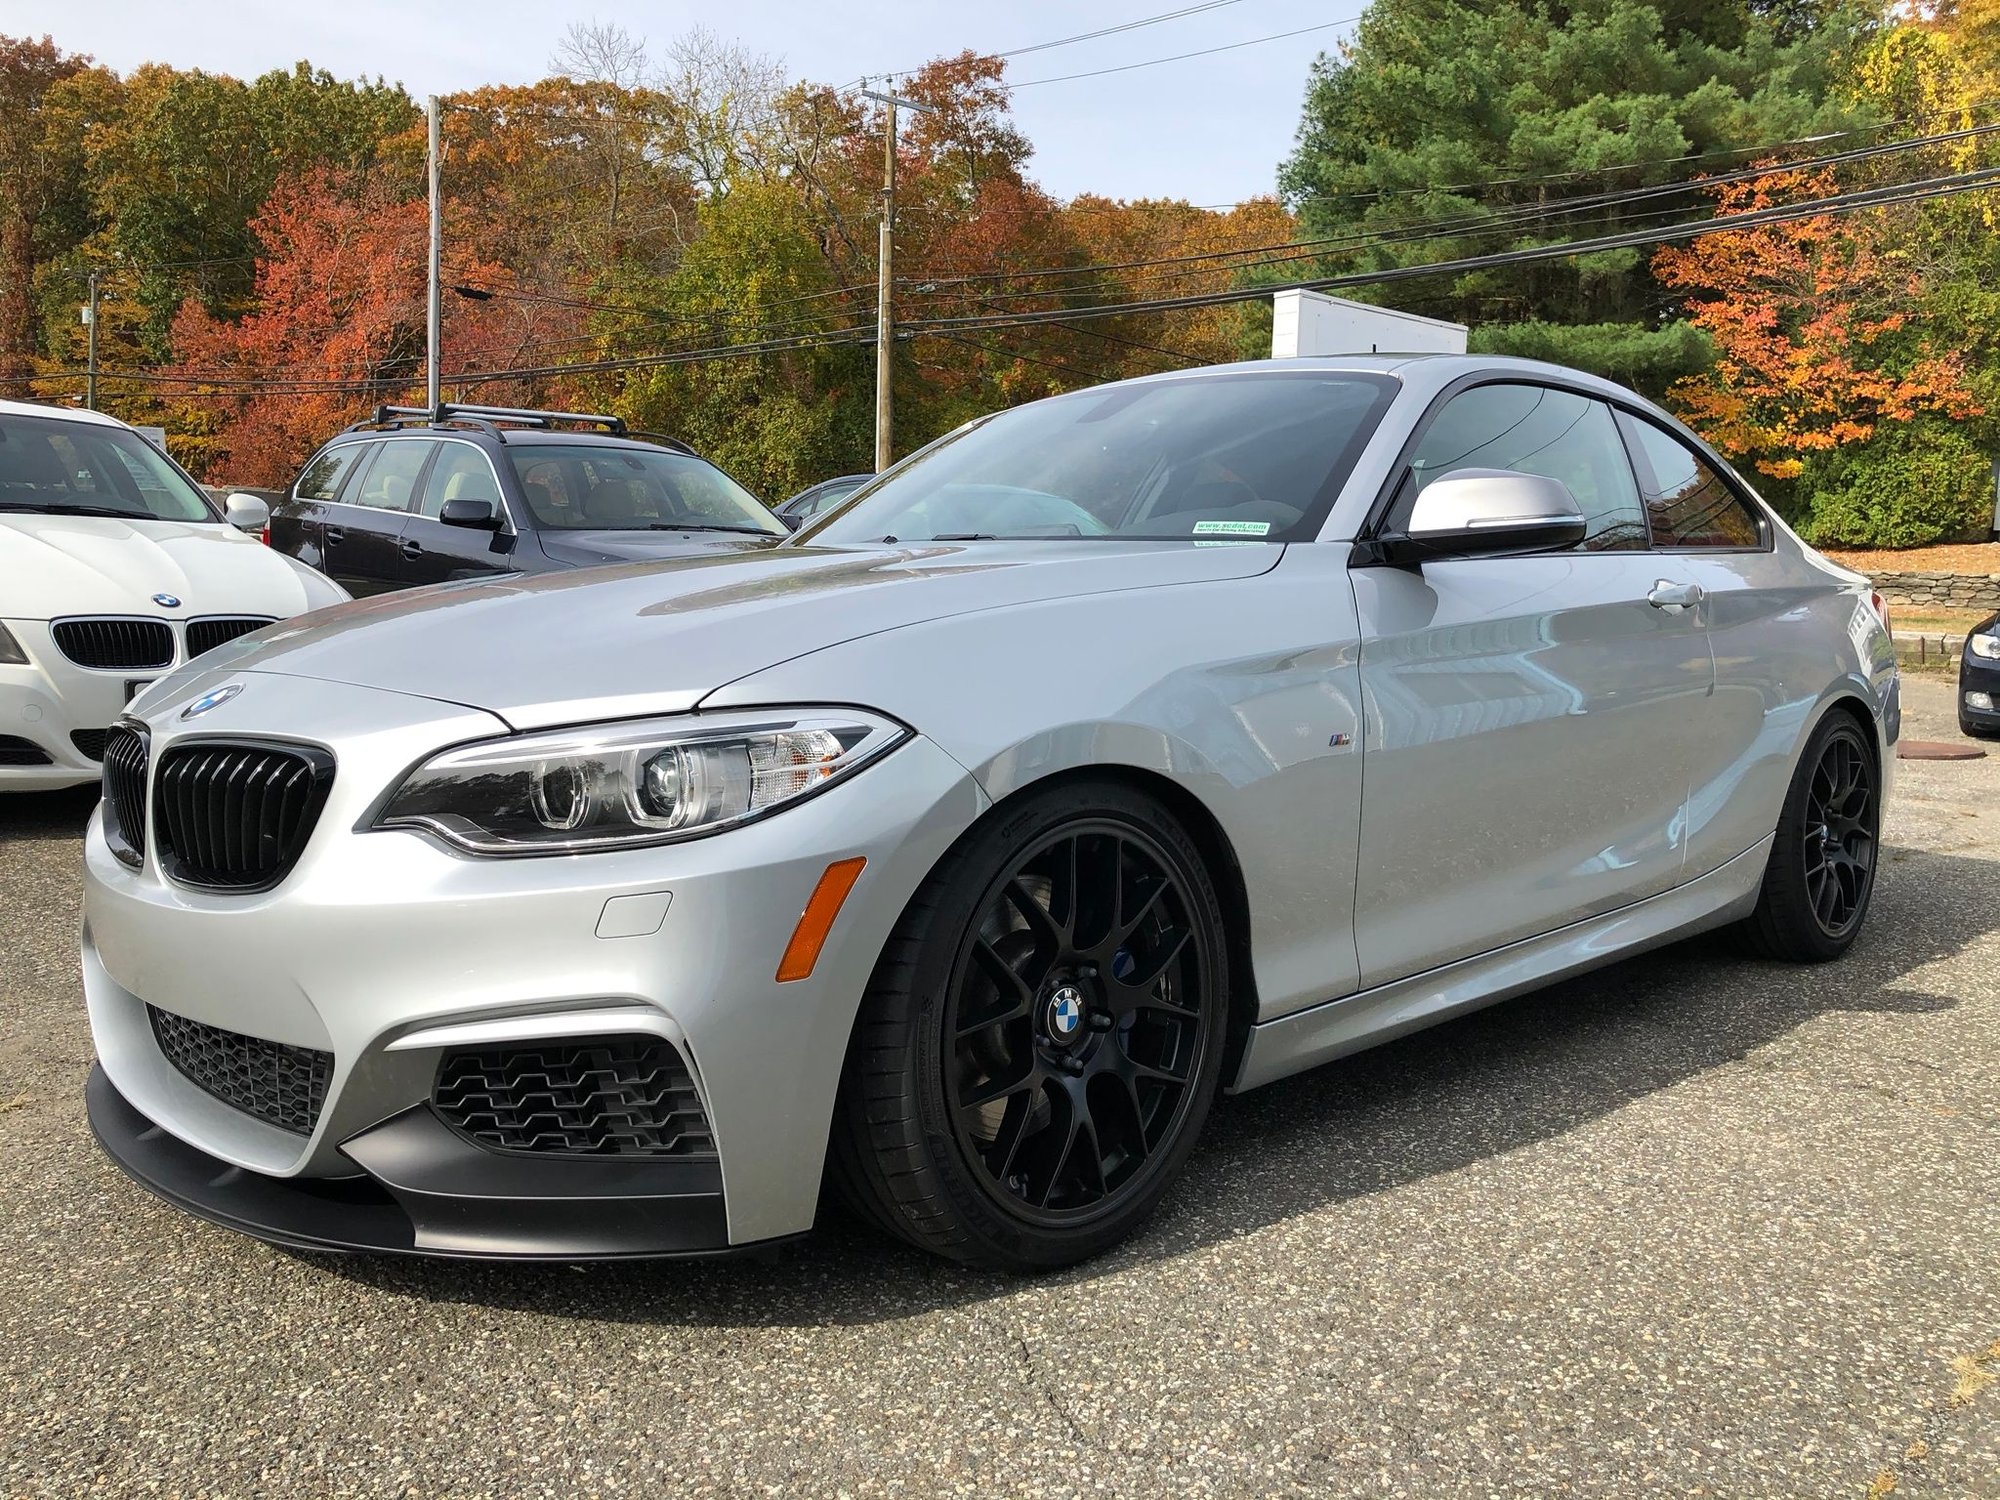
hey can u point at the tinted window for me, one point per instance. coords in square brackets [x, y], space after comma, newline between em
[591, 488]
[320, 480]
[460, 473]
[390, 481]
[1536, 430]
[51, 466]
[1691, 504]
[1246, 458]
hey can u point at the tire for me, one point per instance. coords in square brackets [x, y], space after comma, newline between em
[1042, 1037]
[1821, 874]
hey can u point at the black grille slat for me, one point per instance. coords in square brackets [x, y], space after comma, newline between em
[278, 1083]
[216, 630]
[15, 751]
[216, 821]
[588, 1096]
[126, 752]
[89, 742]
[115, 644]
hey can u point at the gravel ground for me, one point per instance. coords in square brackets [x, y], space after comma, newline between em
[1691, 1226]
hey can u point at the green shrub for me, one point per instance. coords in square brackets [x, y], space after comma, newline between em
[1912, 484]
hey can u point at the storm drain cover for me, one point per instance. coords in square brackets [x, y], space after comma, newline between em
[1937, 750]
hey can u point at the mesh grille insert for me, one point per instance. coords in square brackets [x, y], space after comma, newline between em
[89, 742]
[206, 635]
[280, 1084]
[134, 645]
[235, 815]
[627, 1095]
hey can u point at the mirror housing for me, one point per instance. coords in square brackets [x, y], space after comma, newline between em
[1485, 513]
[791, 522]
[470, 512]
[246, 512]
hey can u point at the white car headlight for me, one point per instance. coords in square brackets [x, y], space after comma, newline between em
[11, 654]
[1987, 646]
[636, 782]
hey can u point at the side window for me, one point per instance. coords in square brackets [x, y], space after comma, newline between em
[391, 481]
[460, 473]
[1691, 505]
[321, 478]
[1536, 430]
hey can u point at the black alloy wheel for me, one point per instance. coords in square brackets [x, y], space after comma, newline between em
[1839, 844]
[1077, 1022]
[1043, 1035]
[1821, 874]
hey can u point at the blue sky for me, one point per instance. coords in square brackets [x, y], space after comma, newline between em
[1211, 129]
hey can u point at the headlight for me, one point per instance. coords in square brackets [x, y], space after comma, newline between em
[619, 786]
[11, 654]
[1987, 646]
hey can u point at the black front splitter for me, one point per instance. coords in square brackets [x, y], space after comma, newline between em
[428, 1191]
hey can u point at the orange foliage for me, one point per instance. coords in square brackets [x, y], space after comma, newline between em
[1810, 330]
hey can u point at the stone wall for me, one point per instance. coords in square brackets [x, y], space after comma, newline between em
[1940, 590]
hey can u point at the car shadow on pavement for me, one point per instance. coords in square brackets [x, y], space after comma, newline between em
[1507, 1077]
[47, 817]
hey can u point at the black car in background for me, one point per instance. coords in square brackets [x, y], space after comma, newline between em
[818, 499]
[418, 496]
[1979, 680]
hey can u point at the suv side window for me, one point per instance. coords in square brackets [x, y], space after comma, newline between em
[1691, 505]
[321, 478]
[1536, 429]
[390, 482]
[461, 472]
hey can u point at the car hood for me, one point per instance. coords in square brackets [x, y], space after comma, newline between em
[592, 549]
[51, 566]
[657, 638]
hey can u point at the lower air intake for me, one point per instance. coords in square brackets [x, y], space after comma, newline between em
[593, 1096]
[280, 1084]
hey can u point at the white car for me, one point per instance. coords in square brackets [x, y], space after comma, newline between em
[114, 569]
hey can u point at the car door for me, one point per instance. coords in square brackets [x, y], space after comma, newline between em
[430, 551]
[1765, 631]
[1530, 719]
[362, 531]
[297, 519]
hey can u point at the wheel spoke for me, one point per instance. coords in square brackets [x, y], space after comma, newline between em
[1000, 1087]
[1039, 919]
[1016, 995]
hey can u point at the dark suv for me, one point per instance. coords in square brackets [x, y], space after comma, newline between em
[424, 496]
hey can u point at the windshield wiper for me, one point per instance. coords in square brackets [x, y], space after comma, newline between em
[706, 526]
[965, 536]
[27, 508]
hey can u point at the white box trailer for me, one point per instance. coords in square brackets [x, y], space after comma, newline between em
[1304, 323]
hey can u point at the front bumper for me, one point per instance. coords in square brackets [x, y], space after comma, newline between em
[51, 699]
[386, 951]
[428, 1191]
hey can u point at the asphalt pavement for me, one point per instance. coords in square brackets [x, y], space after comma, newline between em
[1694, 1225]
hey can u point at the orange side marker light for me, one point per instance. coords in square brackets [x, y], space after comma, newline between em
[802, 952]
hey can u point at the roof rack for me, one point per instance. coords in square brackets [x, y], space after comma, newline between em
[485, 416]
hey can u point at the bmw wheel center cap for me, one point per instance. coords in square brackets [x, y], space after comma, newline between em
[1065, 1013]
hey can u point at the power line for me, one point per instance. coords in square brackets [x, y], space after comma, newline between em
[1154, 62]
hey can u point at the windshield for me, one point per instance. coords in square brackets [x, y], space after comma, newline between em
[1220, 457]
[585, 487]
[54, 466]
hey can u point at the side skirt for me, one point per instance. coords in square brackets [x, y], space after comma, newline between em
[1308, 1038]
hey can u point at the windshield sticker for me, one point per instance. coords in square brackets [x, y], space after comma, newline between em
[1240, 530]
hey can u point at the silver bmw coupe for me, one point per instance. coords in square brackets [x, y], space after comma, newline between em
[1139, 744]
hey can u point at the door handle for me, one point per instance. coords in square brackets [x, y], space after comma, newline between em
[413, 549]
[333, 535]
[1667, 595]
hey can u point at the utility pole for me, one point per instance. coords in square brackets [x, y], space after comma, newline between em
[434, 310]
[885, 318]
[90, 359]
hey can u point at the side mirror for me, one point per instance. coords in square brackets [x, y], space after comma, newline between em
[792, 523]
[1485, 513]
[474, 514]
[246, 512]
